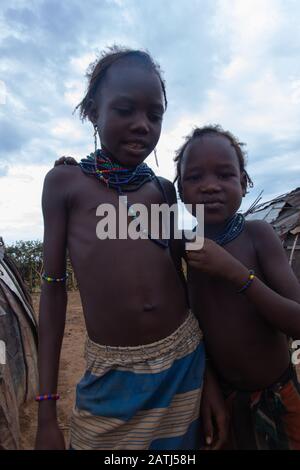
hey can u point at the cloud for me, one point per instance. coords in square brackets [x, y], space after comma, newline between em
[233, 62]
[3, 170]
[20, 202]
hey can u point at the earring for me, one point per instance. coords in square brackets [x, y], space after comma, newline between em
[155, 154]
[95, 136]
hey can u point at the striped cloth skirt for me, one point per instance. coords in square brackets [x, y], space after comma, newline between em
[143, 397]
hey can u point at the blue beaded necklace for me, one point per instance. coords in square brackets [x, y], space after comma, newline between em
[115, 175]
[232, 230]
[122, 179]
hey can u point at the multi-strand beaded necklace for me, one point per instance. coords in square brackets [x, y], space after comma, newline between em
[122, 179]
[115, 175]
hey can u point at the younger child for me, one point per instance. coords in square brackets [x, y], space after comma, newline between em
[244, 295]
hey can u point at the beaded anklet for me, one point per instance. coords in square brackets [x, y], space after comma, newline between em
[54, 279]
[248, 283]
[49, 396]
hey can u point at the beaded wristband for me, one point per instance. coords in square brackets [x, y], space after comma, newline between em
[54, 279]
[248, 283]
[49, 396]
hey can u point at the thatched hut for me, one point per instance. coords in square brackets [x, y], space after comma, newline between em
[283, 213]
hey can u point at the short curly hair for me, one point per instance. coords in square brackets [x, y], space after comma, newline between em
[97, 71]
[214, 130]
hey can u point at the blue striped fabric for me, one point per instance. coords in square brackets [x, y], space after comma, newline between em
[148, 402]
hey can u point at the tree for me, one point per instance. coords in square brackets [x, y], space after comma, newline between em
[29, 257]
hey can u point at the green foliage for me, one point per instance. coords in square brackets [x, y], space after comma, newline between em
[29, 257]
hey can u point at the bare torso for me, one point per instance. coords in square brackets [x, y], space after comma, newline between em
[130, 290]
[246, 351]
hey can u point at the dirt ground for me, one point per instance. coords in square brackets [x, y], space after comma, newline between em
[71, 369]
[72, 366]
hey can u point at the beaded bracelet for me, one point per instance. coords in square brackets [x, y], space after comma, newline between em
[248, 283]
[49, 396]
[54, 279]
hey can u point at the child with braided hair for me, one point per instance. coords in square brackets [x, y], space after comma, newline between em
[244, 294]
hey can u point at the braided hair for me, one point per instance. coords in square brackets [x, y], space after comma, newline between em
[212, 130]
[97, 71]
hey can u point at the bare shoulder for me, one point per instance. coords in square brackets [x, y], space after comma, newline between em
[261, 233]
[59, 186]
[266, 242]
[62, 173]
[61, 177]
[273, 260]
[258, 226]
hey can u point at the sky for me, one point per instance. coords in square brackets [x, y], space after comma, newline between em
[231, 62]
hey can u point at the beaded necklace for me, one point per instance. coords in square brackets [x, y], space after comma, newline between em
[232, 229]
[122, 179]
[115, 175]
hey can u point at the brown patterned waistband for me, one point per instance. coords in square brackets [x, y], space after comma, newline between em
[188, 334]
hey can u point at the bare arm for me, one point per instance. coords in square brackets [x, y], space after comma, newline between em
[52, 305]
[213, 411]
[278, 298]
